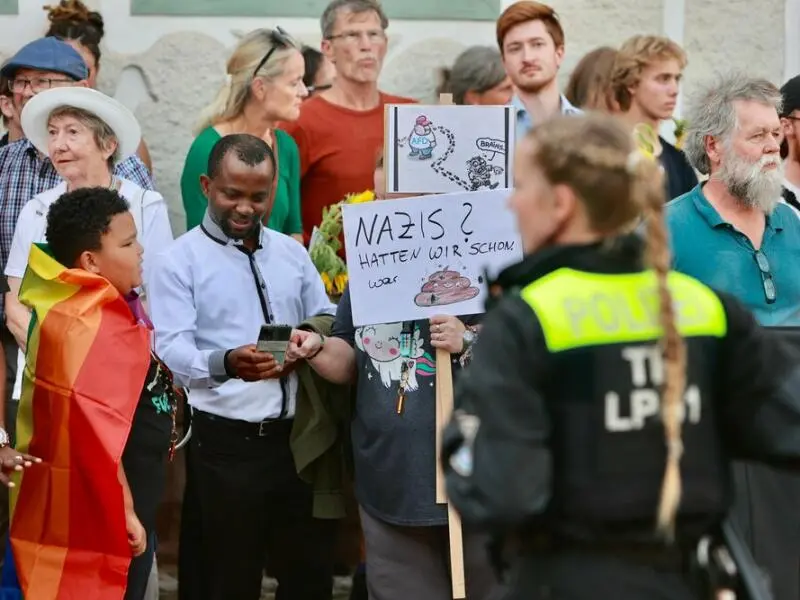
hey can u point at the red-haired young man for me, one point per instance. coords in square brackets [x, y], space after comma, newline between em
[531, 41]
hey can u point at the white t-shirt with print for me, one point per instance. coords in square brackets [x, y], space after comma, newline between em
[149, 212]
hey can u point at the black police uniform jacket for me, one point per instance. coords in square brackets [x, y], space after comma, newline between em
[557, 425]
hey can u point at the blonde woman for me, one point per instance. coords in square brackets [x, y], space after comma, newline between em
[264, 85]
[606, 396]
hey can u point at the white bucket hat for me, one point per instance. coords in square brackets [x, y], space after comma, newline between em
[36, 116]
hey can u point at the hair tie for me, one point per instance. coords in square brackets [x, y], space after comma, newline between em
[632, 162]
[675, 449]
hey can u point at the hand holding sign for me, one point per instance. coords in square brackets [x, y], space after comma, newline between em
[447, 333]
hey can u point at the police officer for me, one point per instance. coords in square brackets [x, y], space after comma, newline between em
[606, 397]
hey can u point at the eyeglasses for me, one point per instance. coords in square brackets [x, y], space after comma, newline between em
[375, 36]
[280, 39]
[37, 85]
[766, 276]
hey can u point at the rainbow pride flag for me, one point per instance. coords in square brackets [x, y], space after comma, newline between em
[86, 363]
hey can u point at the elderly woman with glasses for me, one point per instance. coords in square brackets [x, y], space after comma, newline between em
[85, 134]
[264, 85]
[72, 22]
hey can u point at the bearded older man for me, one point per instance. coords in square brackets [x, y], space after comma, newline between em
[733, 233]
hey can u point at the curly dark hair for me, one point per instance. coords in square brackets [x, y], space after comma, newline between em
[71, 20]
[77, 221]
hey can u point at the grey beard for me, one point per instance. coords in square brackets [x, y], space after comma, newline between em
[760, 190]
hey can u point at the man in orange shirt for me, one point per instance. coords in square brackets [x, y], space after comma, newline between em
[340, 131]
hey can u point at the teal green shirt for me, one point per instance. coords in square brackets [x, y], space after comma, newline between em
[713, 251]
[285, 215]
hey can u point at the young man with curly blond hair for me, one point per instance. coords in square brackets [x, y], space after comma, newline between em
[646, 82]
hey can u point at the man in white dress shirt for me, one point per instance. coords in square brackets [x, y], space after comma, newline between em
[211, 292]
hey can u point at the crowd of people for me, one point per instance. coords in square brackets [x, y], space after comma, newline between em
[276, 444]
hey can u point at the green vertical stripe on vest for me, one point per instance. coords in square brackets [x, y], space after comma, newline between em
[578, 309]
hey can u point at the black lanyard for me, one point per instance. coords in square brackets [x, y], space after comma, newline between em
[263, 299]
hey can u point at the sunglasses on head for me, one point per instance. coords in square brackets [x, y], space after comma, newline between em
[280, 39]
[318, 88]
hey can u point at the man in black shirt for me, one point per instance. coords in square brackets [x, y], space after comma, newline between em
[790, 148]
[646, 82]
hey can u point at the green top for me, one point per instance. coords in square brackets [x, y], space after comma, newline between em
[285, 216]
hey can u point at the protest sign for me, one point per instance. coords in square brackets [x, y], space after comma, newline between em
[448, 148]
[417, 257]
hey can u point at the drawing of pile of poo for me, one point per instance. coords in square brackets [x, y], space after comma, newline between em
[445, 287]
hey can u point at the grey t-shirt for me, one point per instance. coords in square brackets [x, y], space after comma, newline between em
[394, 454]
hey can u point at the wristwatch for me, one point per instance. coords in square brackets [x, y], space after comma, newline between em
[469, 338]
[321, 346]
[5, 440]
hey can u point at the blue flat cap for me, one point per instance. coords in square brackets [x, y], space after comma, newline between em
[47, 54]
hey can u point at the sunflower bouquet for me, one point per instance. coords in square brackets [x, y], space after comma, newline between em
[325, 244]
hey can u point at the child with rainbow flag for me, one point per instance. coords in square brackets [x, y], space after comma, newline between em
[98, 407]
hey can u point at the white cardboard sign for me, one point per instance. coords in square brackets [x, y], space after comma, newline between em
[448, 148]
[413, 258]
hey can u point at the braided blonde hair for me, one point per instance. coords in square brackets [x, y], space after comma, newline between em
[597, 157]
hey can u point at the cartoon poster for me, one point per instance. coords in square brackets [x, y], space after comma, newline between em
[448, 148]
[414, 258]
[381, 343]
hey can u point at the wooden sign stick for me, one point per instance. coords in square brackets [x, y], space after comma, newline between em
[444, 391]
[444, 408]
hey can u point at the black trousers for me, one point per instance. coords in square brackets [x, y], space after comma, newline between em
[765, 510]
[139, 571]
[251, 504]
[190, 540]
[584, 576]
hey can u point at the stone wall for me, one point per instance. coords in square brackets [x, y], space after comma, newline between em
[167, 68]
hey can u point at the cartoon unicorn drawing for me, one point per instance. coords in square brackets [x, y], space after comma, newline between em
[382, 344]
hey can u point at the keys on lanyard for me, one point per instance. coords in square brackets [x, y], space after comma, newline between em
[406, 342]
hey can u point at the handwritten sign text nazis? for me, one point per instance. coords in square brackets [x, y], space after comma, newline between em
[416, 257]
